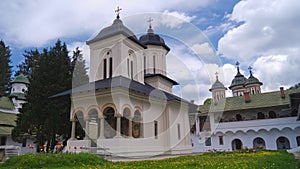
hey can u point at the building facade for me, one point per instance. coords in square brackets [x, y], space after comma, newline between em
[9, 108]
[128, 108]
[249, 119]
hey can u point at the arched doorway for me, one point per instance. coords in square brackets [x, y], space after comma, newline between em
[110, 122]
[136, 124]
[93, 122]
[236, 144]
[125, 120]
[259, 142]
[80, 124]
[283, 143]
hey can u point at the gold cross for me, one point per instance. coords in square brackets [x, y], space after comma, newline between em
[117, 11]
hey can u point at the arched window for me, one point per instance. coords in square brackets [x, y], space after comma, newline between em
[260, 115]
[110, 123]
[258, 142]
[125, 120]
[283, 143]
[154, 64]
[236, 144]
[130, 64]
[238, 117]
[107, 65]
[272, 114]
[136, 124]
[298, 140]
[79, 131]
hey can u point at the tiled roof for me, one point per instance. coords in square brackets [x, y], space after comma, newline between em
[7, 123]
[21, 79]
[122, 82]
[268, 99]
[5, 103]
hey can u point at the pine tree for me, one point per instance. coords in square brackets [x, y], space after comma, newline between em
[5, 68]
[30, 62]
[78, 69]
[44, 117]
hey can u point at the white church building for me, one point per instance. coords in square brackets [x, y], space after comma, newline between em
[249, 119]
[128, 108]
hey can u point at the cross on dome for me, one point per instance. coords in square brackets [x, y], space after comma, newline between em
[150, 20]
[250, 69]
[217, 75]
[117, 11]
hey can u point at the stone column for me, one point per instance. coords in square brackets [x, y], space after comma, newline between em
[73, 129]
[130, 128]
[102, 120]
[87, 130]
[118, 134]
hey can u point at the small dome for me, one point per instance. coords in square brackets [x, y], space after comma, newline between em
[21, 79]
[153, 39]
[217, 85]
[239, 79]
[252, 80]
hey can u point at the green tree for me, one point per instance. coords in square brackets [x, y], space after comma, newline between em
[43, 117]
[78, 69]
[30, 62]
[5, 68]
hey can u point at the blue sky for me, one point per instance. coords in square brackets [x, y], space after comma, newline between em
[262, 34]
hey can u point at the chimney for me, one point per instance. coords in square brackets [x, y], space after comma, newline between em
[247, 97]
[282, 94]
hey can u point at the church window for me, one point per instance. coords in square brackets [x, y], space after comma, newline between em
[23, 90]
[221, 142]
[154, 64]
[144, 65]
[155, 129]
[260, 115]
[272, 114]
[238, 117]
[298, 140]
[178, 132]
[110, 67]
[208, 142]
[3, 140]
[128, 68]
[131, 69]
[104, 68]
[252, 91]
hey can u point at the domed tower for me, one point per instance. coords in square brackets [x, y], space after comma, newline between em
[18, 88]
[218, 90]
[238, 83]
[155, 61]
[116, 51]
[252, 84]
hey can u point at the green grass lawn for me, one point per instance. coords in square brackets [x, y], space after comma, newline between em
[256, 160]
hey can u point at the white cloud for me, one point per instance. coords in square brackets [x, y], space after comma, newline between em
[204, 49]
[36, 23]
[175, 19]
[267, 38]
[268, 27]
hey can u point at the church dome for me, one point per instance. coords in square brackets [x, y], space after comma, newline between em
[153, 39]
[239, 79]
[116, 28]
[252, 80]
[217, 85]
[20, 79]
